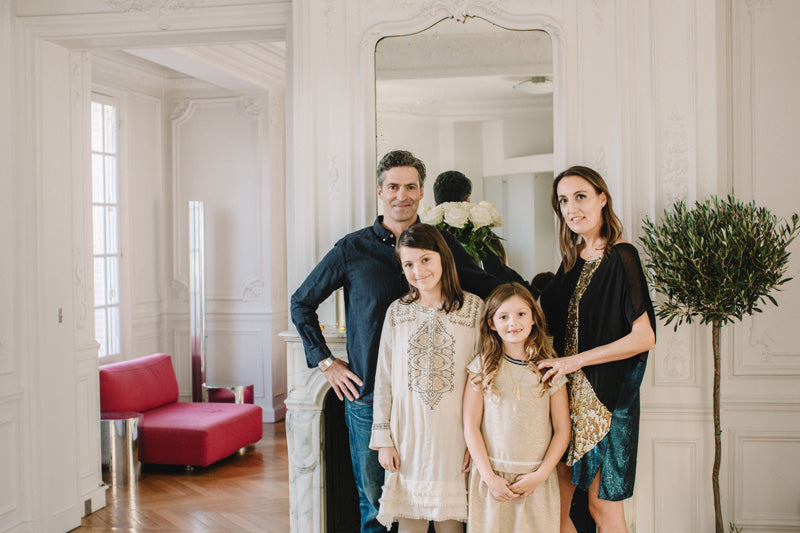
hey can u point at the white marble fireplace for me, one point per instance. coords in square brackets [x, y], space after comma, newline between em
[307, 389]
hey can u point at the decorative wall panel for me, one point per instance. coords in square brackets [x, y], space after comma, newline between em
[675, 465]
[9, 468]
[675, 83]
[87, 423]
[7, 211]
[766, 75]
[145, 188]
[218, 146]
[673, 473]
[673, 358]
[235, 355]
[180, 359]
[767, 479]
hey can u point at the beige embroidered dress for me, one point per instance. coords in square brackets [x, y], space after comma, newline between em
[517, 433]
[419, 385]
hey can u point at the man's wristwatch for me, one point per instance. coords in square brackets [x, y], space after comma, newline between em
[325, 364]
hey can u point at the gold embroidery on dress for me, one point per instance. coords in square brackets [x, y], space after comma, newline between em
[468, 314]
[403, 313]
[431, 360]
[591, 420]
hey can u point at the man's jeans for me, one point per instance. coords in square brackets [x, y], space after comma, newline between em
[366, 468]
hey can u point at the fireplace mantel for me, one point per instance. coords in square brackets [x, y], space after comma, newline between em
[307, 389]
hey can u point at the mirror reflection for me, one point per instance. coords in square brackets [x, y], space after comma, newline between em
[477, 98]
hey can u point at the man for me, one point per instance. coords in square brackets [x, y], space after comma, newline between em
[454, 186]
[364, 263]
[451, 186]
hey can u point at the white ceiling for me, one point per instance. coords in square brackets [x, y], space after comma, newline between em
[245, 67]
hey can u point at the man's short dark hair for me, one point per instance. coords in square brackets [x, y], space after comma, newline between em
[400, 158]
[451, 186]
[541, 280]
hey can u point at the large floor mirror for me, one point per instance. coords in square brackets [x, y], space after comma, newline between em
[478, 98]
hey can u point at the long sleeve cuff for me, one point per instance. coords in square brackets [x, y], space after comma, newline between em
[316, 354]
[381, 436]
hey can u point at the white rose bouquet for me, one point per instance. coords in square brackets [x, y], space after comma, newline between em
[471, 224]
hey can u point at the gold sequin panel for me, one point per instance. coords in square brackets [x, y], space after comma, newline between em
[591, 420]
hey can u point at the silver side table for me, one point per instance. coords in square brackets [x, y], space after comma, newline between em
[242, 392]
[119, 446]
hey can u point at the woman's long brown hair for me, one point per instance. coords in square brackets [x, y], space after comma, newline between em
[537, 347]
[569, 242]
[426, 237]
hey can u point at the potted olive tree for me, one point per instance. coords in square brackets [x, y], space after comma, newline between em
[717, 262]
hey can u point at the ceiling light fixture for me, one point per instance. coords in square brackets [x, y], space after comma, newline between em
[535, 85]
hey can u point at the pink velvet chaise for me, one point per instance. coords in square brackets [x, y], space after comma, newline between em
[172, 432]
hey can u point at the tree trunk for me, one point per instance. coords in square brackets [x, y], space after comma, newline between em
[715, 330]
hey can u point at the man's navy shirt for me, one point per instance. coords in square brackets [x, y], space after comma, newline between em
[364, 263]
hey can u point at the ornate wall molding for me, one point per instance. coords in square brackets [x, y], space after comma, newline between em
[598, 6]
[9, 436]
[76, 76]
[329, 13]
[417, 16]
[180, 290]
[757, 5]
[675, 366]
[675, 165]
[333, 170]
[599, 162]
[253, 291]
[81, 288]
[250, 105]
[755, 351]
[180, 108]
[152, 7]
[4, 361]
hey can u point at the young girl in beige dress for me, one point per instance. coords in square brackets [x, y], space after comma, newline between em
[428, 337]
[516, 427]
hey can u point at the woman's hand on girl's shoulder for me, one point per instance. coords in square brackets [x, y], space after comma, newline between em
[554, 369]
[500, 488]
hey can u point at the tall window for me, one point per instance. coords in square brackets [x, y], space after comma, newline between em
[105, 224]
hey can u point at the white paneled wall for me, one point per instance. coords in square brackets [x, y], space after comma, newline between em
[49, 399]
[12, 396]
[761, 405]
[220, 150]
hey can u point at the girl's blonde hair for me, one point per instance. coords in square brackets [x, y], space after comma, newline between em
[569, 242]
[537, 347]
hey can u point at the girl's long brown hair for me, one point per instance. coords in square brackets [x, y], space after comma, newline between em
[426, 237]
[570, 242]
[537, 347]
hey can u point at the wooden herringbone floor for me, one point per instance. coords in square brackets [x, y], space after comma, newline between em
[243, 493]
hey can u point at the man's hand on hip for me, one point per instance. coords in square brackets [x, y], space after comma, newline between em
[342, 380]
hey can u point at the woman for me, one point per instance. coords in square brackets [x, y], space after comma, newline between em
[599, 312]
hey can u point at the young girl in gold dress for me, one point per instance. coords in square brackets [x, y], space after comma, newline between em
[516, 427]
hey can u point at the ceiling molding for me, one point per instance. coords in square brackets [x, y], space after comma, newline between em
[462, 110]
[189, 26]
